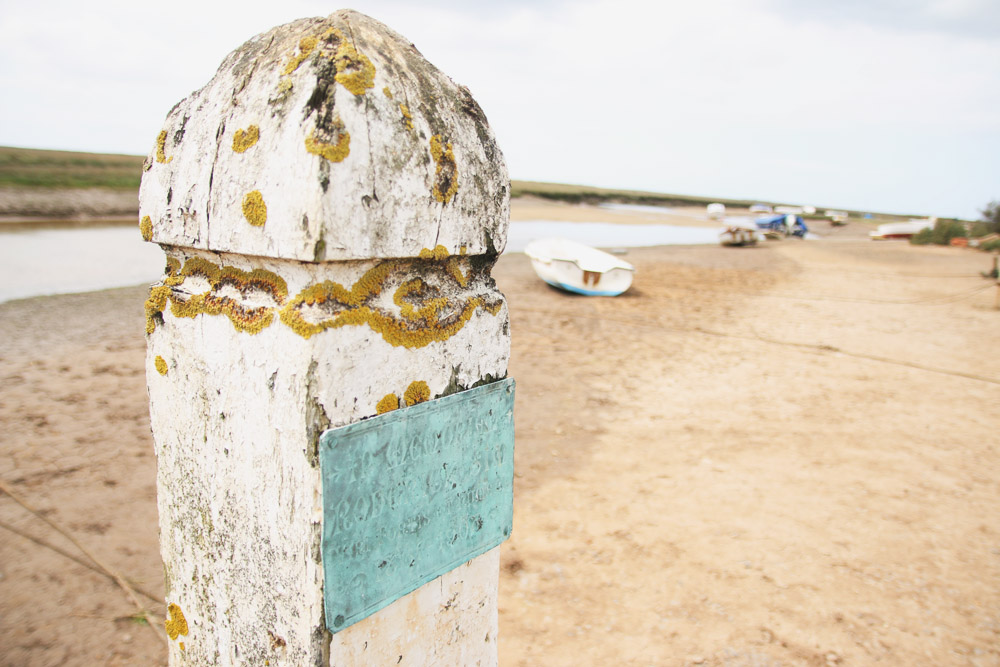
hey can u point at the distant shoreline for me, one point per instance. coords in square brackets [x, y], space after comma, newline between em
[30, 223]
[67, 206]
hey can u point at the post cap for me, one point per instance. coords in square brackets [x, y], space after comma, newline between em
[327, 139]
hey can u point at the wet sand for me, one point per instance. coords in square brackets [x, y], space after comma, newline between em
[775, 455]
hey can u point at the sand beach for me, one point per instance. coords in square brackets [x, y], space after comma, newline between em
[778, 455]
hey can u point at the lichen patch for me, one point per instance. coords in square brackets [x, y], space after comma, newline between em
[427, 309]
[417, 392]
[335, 150]
[176, 625]
[243, 140]
[161, 365]
[407, 117]
[146, 228]
[352, 69]
[254, 208]
[410, 303]
[446, 171]
[248, 298]
[438, 252]
[161, 148]
[306, 46]
[387, 403]
[155, 305]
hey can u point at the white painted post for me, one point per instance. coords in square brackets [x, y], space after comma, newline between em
[331, 206]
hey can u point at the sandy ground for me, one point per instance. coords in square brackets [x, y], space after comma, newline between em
[776, 455]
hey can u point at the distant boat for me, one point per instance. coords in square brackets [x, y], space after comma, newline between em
[900, 230]
[578, 268]
[777, 226]
[739, 232]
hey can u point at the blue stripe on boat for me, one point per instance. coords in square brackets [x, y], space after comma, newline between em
[580, 290]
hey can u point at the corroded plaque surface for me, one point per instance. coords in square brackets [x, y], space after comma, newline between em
[412, 494]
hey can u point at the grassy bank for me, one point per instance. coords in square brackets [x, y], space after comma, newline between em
[45, 170]
[582, 194]
[29, 168]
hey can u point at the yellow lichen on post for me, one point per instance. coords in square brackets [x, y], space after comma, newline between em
[254, 208]
[161, 148]
[146, 228]
[155, 305]
[446, 171]
[354, 70]
[453, 266]
[424, 314]
[428, 309]
[243, 140]
[243, 317]
[387, 403]
[173, 270]
[306, 46]
[452, 263]
[247, 319]
[415, 332]
[387, 92]
[438, 253]
[405, 110]
[176, 625]
[334, 152]
[417, 392]
[161, 365]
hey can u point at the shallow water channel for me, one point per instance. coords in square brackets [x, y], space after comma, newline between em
[62, 261]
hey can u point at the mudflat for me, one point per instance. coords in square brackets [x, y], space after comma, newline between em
[784, 454]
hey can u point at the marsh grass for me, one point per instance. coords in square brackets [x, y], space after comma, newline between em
[32, 168]
[582, 194]
[26, 167]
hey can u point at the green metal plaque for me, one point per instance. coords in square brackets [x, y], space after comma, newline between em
[412, 494]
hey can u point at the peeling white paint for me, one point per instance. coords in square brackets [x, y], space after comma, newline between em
[377, 202]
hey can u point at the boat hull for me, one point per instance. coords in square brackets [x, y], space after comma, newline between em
[568, 276]
[899, 230]
[579, 269]
[738, 236]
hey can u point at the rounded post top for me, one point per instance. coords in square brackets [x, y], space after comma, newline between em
[327, 139]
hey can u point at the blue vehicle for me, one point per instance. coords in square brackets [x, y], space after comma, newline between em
[774, 226]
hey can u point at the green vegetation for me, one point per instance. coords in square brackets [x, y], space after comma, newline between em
[25, 167]
[582, 194]
[990, 221]
[30, 168]
[941, 234]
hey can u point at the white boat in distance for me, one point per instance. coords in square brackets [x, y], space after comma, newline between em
[578, 268]
[739, 232]
[900, 230]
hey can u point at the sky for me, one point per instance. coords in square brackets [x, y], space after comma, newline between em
[881, 105]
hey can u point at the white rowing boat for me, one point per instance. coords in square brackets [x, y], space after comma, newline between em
[900, 230]
[578, 268]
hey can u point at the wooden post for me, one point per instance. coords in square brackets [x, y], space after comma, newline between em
[331, 206]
